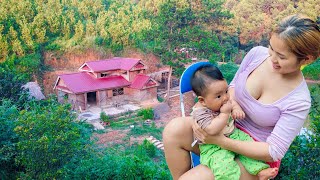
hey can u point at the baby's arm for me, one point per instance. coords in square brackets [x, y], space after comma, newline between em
[204, 117]
[218, 123]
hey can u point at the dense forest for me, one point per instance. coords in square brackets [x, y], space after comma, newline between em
[217, 30]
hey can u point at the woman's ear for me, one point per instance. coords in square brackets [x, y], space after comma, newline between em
[308, 60]
[201, 100]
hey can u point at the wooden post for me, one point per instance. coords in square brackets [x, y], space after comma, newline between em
[169, 83]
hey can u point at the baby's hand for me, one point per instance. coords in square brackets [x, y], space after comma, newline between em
[226, 108]
[237, 113]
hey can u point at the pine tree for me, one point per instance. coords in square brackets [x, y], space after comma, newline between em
[101, 24]
[90, 28]
[26, 34]
[4, 46]
[79, 31]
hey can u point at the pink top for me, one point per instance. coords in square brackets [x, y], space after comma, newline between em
[277, 123]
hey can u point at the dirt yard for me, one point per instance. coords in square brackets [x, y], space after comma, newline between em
[164, 112]
[114, 136]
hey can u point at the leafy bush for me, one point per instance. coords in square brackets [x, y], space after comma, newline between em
[302, 159]
[15, 72]
[160, 99]
[228, 70]
[104, 117]
[120, 162]
[146, 113]
[52, 47]
[149, 148]
[315, 111]
[10, 83]
[44, 141]
[8, 140]
[49, 138]
[312, 71]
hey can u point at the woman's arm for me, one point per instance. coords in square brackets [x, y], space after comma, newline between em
[232, 99]
[252, 149]
[237, 112]
[276, 145]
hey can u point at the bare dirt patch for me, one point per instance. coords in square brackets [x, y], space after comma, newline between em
[114, 136]
[166, 110]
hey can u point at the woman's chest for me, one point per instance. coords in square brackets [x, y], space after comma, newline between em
[266, 87]
[261, 113]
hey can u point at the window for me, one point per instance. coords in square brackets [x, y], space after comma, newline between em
[118, 91]
[104, 74]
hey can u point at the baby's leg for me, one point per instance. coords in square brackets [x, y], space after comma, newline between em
[254, 167]
[220, 161]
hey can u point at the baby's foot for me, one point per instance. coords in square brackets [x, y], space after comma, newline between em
[268, 173]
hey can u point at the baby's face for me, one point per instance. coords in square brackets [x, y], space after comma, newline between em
[217, 95]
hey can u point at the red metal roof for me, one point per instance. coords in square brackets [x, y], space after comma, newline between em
[139, 81]
[83, 82]
[112, 64]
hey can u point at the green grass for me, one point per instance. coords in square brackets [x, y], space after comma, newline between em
[146, 130]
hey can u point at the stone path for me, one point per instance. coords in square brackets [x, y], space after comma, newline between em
[156, 142]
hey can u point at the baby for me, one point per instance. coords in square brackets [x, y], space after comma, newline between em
[212, 113]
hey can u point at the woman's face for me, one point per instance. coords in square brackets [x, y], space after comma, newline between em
[283, 60]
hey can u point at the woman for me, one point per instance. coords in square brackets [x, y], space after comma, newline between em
[271, 91]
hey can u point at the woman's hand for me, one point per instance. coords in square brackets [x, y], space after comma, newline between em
[205, 137]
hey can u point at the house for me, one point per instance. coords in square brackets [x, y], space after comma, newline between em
[104, 82]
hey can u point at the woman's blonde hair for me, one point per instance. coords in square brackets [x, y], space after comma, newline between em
[301, 34]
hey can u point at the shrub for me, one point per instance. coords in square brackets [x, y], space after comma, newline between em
[149, 148]
[104, 117]
[8, 140]
[146, 113]
[10, 83]
[49, 138]
[312, 71]
[228, 70]
[302, 159]
[120, 162]
[160, 99]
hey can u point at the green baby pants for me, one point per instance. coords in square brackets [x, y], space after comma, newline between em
[222, 162]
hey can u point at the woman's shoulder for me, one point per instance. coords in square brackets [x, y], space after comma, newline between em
[259, 51]
[302, 92]
[299, 96]
[255, 56]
